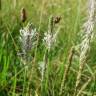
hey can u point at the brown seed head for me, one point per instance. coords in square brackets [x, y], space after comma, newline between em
[56, 19]
[23, 15]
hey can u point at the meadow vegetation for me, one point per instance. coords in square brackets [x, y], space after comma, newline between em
[47, 48]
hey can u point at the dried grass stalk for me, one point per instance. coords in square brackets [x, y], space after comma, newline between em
[67, 68]
[84, 86]
[87, 39]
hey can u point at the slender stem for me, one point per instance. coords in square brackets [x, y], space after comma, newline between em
[67, 69]
[45, 59]
[40, 21]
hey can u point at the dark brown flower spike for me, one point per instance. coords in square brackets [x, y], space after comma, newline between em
[56, 19]
[23, 15]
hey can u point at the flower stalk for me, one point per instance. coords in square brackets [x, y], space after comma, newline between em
[88, 29]
[49, 41]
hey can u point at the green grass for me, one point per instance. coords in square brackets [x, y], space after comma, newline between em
[14, 80]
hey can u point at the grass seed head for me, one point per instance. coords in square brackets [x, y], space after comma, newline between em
[56, 19]
[28, 38]
[23, 15]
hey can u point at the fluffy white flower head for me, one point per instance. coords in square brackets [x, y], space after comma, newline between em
[28, 37]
